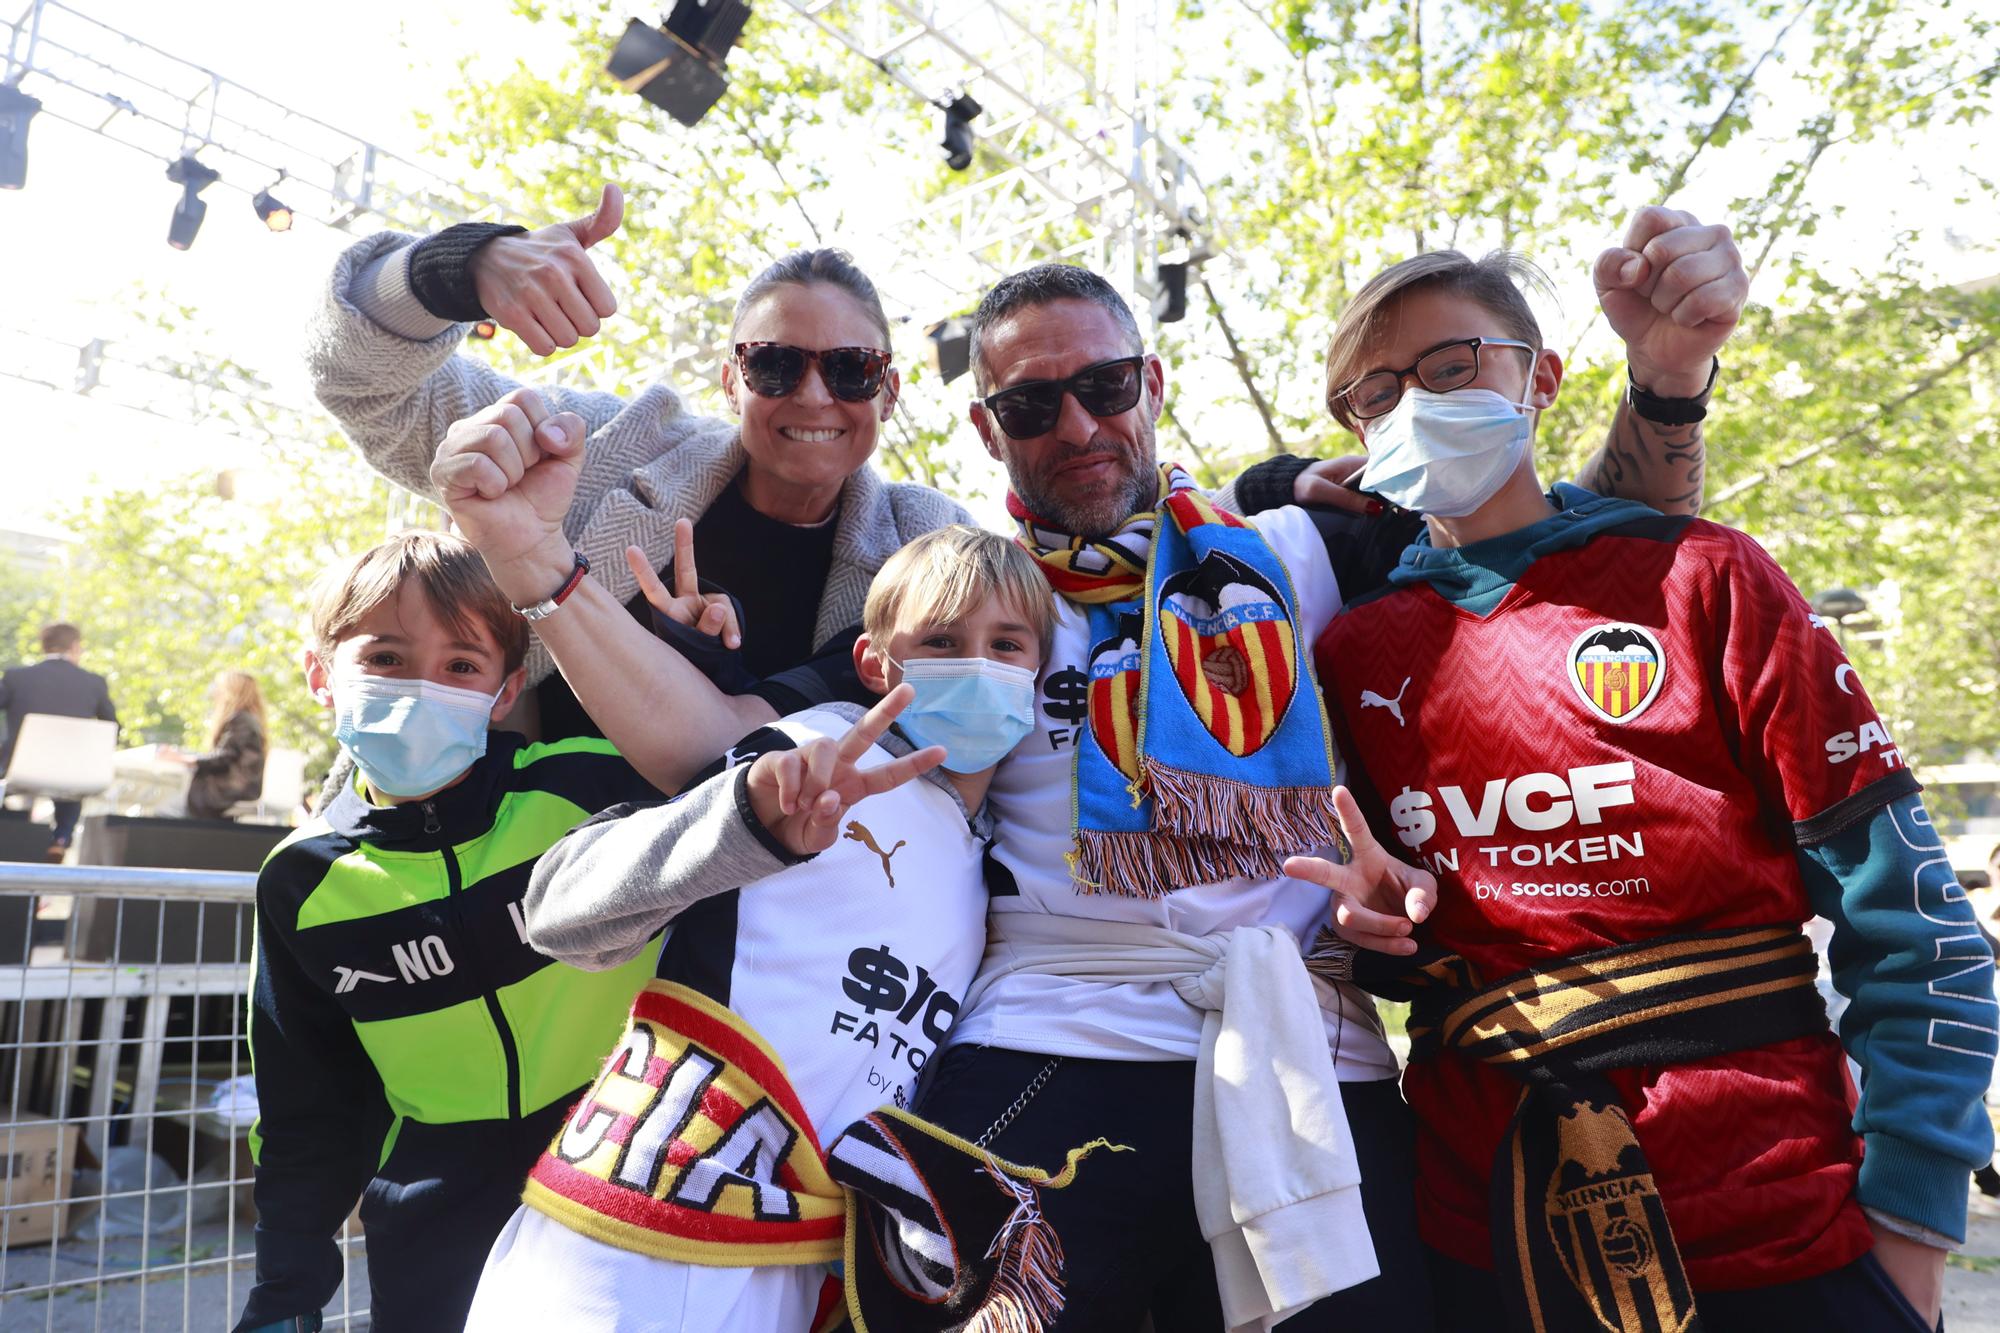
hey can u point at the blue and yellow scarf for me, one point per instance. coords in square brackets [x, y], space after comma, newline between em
[1206, 754]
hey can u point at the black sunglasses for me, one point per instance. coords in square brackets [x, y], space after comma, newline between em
[1103, 390]
[774, 370]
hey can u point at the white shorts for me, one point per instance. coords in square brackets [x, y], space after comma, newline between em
[540, 1275]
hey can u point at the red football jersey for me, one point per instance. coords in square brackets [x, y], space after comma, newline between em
[1619, 752]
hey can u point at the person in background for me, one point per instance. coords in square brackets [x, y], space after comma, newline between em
[232, 768]
[55, 685]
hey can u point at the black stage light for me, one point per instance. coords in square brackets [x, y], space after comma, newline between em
[1170, 305]
[272, 211]
[193, 178]
[16, 110]
[709, 26]
[958, 117]
[953, 341]
[678, 66]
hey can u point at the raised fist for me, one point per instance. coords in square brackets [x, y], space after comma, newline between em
[507, 475]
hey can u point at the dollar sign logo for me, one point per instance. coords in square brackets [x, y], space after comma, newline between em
[1066, 696]
[1414, 821]
[875, 979]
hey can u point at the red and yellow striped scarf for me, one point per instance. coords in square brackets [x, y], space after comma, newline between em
[1206, 752]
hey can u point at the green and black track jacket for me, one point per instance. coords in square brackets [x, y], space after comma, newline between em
[393, 983]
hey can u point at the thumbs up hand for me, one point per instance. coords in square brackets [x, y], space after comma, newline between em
[541, 285]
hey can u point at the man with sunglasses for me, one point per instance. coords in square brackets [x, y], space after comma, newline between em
[1078, 1030]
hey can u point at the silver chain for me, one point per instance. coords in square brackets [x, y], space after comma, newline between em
[993, 1130]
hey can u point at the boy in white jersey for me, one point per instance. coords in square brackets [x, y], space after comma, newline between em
[825, 913]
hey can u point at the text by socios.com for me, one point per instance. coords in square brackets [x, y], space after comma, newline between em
[1603, 888]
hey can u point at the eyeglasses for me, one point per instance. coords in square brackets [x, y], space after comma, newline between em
[774, 370]
[1103, 390]
[1442, 369]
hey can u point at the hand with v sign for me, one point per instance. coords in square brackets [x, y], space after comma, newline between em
[710, 613]
[542, 286]
[1377, 898]
[800, 795]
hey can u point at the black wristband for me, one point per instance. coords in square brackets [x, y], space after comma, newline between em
[441, 269]
[1268, 485]
[1671, 411]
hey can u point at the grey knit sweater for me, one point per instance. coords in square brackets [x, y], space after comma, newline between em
[387, 369]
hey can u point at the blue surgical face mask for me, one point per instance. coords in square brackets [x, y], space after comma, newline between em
[410, 737]
[976, 708]
[1446, 453]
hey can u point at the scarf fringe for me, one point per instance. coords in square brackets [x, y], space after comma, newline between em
[1188, 804]
[1027, 1291]
[1145, 865]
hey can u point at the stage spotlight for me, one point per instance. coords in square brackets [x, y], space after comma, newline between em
[1171, 278]
[953, 341]
[1170, 305]
[272, 211]
[678, 65]
[193, 178]
[486, 329]
[958, 117]
[16, 110]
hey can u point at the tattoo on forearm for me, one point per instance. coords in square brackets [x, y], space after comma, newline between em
[1663, 466]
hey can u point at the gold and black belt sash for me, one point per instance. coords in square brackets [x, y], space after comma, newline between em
[1580, 1237]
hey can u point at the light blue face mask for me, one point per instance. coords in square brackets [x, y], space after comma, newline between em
[410, 737]
[976, 708]
[1445, 453]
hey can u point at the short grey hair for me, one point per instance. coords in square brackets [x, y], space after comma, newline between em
[1042, 285]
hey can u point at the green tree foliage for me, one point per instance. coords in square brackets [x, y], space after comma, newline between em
[1855, 425]
[174, 583]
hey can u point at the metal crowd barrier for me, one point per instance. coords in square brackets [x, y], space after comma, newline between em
[125, 1174]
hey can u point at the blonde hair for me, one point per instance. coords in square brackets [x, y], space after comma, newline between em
[447, 569]
[1493, 283]
[945, 575]
[235, 692]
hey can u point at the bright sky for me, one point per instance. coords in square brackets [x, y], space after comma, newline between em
[89, 230]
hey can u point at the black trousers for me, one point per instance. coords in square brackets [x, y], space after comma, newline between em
[66, 815]
[431, 1214]
[1858, 1298]
[1131, 1244]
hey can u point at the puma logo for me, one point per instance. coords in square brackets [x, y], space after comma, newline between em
[1370, 699]
[858, 832]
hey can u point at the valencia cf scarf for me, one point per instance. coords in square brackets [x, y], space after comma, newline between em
[1206, 753]
[692, 1145]
[1581, 1241]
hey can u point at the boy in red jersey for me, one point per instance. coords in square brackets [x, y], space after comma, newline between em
[1631, 762]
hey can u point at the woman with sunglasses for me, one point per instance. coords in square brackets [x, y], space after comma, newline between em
[788, 518]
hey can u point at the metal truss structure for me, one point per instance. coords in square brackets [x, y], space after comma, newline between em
[1070, 117]
[91, 75]
[1070, 161]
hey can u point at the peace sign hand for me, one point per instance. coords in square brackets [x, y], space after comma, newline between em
[800, 795]
[1377, 897]
[708, 613]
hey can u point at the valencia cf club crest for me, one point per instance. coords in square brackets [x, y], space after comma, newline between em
[1610, 1228]
[1233, 650]
[1617, 670]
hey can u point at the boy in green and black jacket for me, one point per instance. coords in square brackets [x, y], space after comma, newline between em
[410, 1049]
